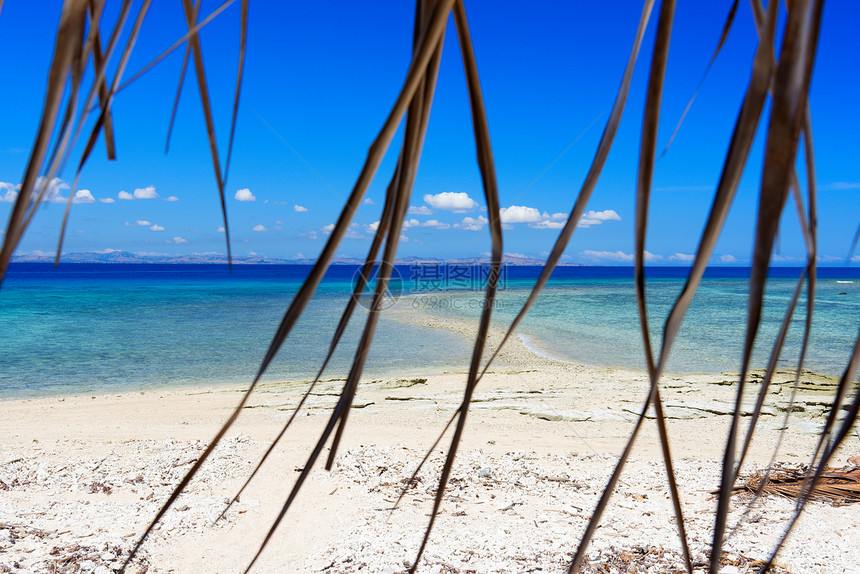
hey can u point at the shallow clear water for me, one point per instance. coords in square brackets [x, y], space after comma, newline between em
[104, 327]
[92, 327]
[590, 315]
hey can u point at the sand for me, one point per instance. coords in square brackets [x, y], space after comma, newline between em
[81, 476]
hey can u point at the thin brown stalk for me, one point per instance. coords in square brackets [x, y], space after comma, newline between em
[405, 176]
[197, 51]
[416, 129]
[185, 58]
[69, 34]
[77, 71]
[853, 247]
[243, 35]
[790, 92]
[582, 198]
[648, 147]
[370, 261]
[427, 45]
[421, 464]
[98, 62]
[193, 30]
[848, 422]
[809, 229]
[105, 111]
[487, 169]
[726, 28]
[772, 363]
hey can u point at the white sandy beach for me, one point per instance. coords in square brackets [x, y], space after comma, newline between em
[83, 475]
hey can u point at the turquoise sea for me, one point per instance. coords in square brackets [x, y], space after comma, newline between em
[103, 327]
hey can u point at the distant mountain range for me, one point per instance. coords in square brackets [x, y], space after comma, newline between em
[128, 257]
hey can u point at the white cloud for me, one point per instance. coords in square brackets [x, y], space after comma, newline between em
[299, 208]
[352, 232]
[605, 215]
[553, 221]
[260, 227]
[607, 255]
[124, 195]
[8, 192]
[147, 192]
[841, 186]
[519, 214]
[435, 224]
[472, 224]
[404, 239]
[597, 217]
[244, 194]
[830, 259]
[171, 198]
[419, 210]
[156, 227]
[309, 235]
[53, 191]
[221, 229]
[107, 200]
[450, 201]
[788, 259]
[177, 240]
[548, 224]
[616, 256]
[368, 201]
[682, 257]
[407, 223]
[84, 196]
[138, 223]
[516, 255]
[728, 259]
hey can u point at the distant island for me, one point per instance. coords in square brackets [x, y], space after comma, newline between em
[118, 256]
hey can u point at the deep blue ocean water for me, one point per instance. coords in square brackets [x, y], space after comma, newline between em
[102, 327]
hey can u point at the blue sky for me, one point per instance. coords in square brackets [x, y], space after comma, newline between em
[320, 80]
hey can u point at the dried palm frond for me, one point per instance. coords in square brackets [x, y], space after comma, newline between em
[78, 39]
[781, 72]
[730, 19]
[838, 486]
